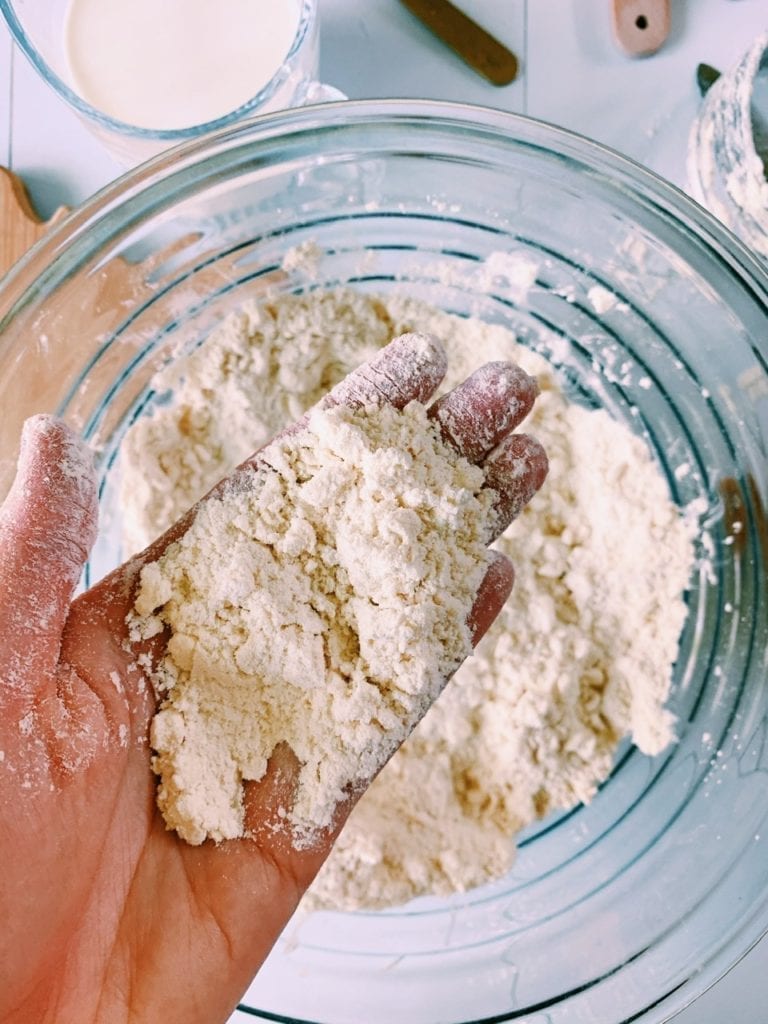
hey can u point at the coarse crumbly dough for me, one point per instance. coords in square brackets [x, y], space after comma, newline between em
[320, 601]
[262, 369]
[580, 656]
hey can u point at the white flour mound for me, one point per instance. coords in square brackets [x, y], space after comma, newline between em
[580, 656]
[320, 601]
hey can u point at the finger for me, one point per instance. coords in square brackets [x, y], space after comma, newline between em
[408, 369]
[48, 524]
[515, 470]
[493, 591]
[478, 414]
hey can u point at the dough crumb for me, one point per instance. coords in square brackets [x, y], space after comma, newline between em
[319, 600]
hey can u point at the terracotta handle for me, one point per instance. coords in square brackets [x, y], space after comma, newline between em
[641, 26]
[20, 227]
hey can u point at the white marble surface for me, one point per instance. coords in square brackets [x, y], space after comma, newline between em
[572, 74]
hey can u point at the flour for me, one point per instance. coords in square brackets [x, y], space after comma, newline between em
[581, 654]
[263, 368]
[601, 299]
[320, 601]
[579, 657]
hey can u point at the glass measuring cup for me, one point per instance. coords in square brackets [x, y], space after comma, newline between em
[38, 26]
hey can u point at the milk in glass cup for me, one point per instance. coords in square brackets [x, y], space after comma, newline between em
[147, 74]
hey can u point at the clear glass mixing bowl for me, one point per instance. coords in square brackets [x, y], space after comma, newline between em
[627, 909]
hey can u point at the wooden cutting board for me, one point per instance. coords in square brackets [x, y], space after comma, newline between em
[20, 227]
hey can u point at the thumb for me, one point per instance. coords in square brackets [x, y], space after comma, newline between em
[47, 527]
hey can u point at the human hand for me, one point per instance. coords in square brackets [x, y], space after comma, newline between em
[109, 916]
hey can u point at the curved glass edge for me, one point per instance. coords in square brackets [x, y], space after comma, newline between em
[135, 194]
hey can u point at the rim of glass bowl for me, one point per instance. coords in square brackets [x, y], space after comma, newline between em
[140, 190]
[178, 172]
[306, 22]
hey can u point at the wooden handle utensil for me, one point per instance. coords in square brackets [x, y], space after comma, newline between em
[476, 47]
